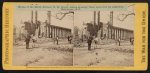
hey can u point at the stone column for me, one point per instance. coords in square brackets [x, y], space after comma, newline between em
[115, 33]
[118, 34]
[111, 32]
[50, 32]
[60, 33]
[53, 32]
[123, 34]
[47, 31]
[56, 32]
[108, 32]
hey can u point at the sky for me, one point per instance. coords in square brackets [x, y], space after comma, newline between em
[80, 17]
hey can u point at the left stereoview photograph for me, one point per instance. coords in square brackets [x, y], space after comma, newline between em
[75, 36]
[42, 38]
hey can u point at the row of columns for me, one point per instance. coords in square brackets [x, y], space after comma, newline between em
[51, 31]
[57, 31]
[118, 33]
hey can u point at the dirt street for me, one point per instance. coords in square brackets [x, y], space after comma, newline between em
[104, 55]
[50, 54]
[45, 55]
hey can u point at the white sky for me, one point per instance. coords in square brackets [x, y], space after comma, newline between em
[79, 18]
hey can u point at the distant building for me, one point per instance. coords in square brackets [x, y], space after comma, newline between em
[108, 31]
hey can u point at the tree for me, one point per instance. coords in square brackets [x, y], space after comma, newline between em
[90, 28]
[93, 29]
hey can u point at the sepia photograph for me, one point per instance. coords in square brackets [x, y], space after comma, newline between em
[41, 38]
[73, 37]
[106, 39]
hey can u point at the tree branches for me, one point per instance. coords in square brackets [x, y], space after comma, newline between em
[125, 16]
[63, 15]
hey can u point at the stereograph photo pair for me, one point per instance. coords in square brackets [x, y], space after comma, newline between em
[75, 36]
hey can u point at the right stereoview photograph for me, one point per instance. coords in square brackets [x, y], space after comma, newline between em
[105, 38]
